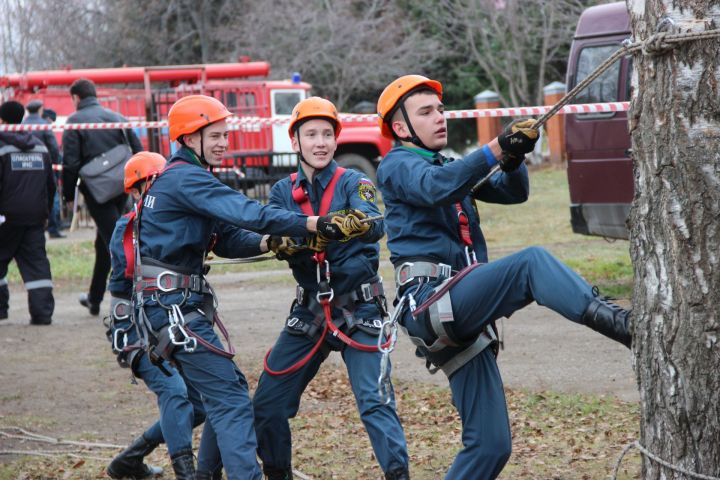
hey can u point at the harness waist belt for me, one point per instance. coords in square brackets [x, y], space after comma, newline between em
[364, 293]
[166, 280]
[408, 271]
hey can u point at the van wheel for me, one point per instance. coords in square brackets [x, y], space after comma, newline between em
[359, 163]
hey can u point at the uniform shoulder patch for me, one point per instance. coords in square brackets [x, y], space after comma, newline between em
[366, 190]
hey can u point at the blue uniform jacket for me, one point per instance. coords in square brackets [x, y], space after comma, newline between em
[420, 189]
[352, 263]
[187, 203]
[231, 241]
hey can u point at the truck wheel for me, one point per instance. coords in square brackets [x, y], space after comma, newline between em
[359, 163]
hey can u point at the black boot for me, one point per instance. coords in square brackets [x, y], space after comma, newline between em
[398, 474]
[207, 475]
[609, 319]
[273, 473]
[183, 464]
[129, 464]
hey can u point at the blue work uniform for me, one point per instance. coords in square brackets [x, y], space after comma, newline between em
[180, 406]
[351, 264]
[420, 189]
[182, 208]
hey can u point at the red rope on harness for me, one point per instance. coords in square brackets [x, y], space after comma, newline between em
[344, 338]
[229, 353]
[437, 295]
[301, 363]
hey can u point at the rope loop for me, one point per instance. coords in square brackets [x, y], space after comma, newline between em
[656, 45]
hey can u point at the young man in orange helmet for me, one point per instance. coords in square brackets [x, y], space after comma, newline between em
[448, 294]
[185, 213]
[340, 301]
[180, 405]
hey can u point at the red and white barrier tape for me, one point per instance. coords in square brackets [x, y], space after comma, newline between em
[241, 122]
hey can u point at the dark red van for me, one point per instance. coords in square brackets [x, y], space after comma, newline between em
[599, 170]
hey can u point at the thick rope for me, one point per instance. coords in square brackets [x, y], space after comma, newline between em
[659, 460]
[657, 44]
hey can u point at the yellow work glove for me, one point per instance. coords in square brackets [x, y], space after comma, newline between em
[352, 226]
[283, 247]
[318, 243]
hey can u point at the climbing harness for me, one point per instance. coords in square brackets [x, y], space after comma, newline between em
[154, 279]
[325, 297]
[655, 45]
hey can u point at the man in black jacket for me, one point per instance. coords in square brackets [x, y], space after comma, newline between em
[35, 116]
[79, 147]
[27, 187]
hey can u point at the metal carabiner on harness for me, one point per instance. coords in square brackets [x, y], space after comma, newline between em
[177, 320]
[390, 325]
[325, 292]
[470, 255]
[116, 343]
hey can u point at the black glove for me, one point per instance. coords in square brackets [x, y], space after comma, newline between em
[509, 162]
[518, 138]
[330, 226]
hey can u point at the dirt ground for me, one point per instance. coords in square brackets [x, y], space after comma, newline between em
[63, 381]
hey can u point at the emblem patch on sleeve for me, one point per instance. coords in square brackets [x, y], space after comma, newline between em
[366, 190]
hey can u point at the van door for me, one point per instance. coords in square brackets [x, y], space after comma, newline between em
[282, 104]
[598, 144]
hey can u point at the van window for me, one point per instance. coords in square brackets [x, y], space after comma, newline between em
[605, 87]
[285, 101]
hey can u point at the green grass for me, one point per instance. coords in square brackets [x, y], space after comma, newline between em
[543, 220]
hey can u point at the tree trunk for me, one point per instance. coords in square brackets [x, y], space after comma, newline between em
[675, 239]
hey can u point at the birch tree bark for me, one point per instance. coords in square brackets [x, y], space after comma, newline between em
[675, 239]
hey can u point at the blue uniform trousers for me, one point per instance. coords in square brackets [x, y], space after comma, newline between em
[225, 397]
[489, 292]
[180, 407]
[277, 399]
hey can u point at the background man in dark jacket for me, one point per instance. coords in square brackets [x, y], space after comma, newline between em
[36, 116]
[79, 147]
[27, 187]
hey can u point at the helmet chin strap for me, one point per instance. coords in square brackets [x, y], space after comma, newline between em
[413, 138]
[202, 149]
[201, 156]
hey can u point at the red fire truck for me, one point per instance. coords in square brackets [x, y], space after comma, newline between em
[257, 149]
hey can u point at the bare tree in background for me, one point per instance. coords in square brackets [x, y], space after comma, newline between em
[675, 239]
[518, 44]
[166, 32]
[342, 47]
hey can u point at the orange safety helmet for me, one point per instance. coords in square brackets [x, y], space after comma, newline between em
[314, 107]
[142, 166]
[393, 93]
[191, 113]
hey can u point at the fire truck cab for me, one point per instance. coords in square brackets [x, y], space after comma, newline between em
[258, 144]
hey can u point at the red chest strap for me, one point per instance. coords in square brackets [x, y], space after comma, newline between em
[300, 197]
[128, 247]
[464, 225]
